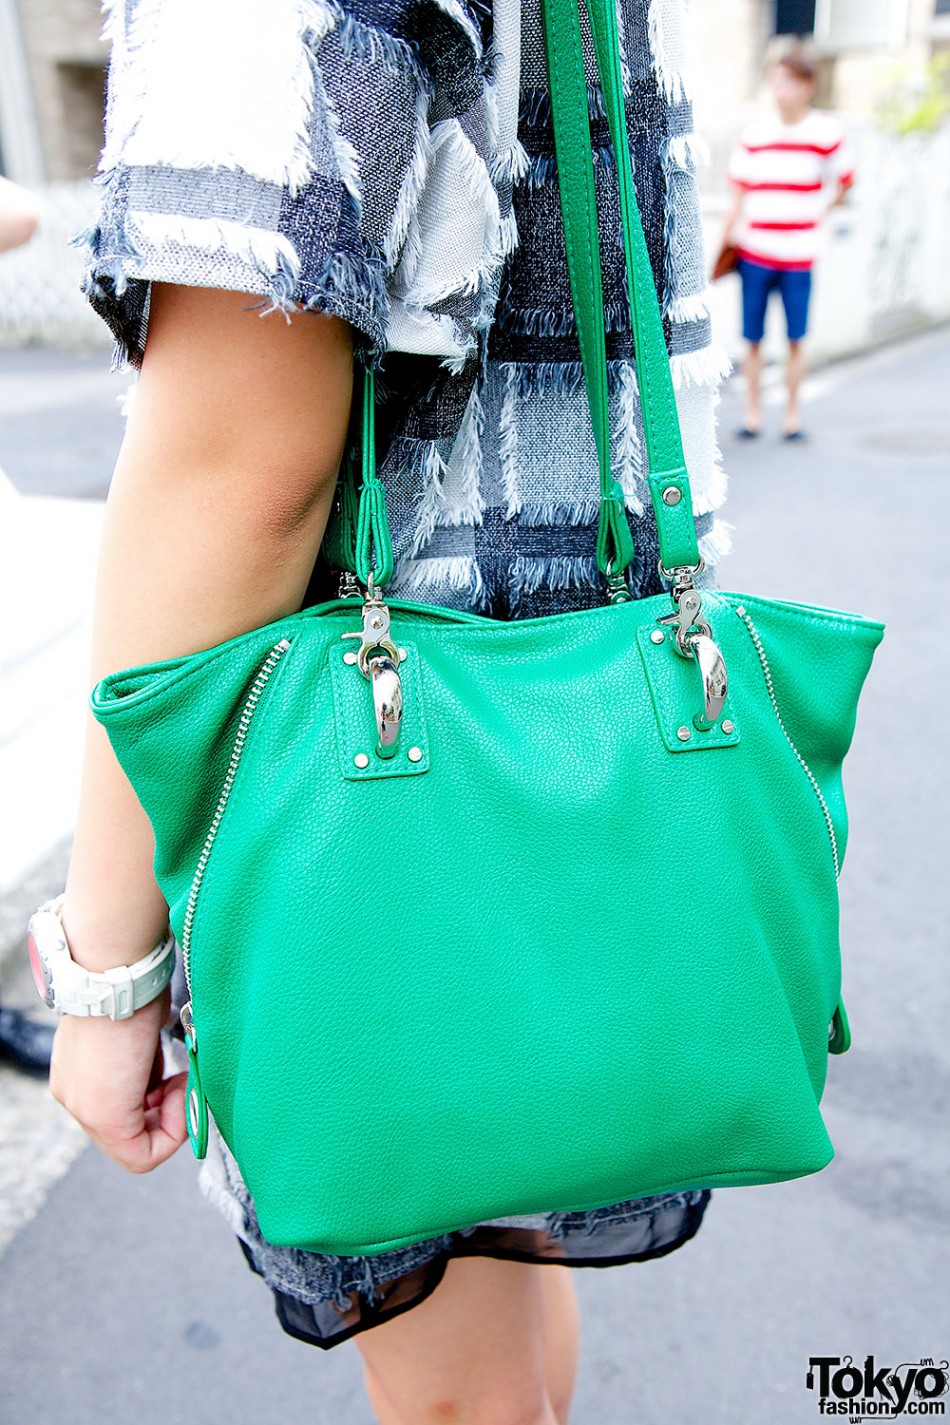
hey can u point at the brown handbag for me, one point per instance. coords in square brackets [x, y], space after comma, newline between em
[727, 261]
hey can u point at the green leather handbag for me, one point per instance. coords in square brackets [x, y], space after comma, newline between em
[485, 917]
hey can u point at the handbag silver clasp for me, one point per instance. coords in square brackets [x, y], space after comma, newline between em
[387, 702]
[375, 631]
[715, 680]
[378, 660]
[694, 640]
[687, 616]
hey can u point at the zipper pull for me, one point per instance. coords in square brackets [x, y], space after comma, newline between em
[196, 1105]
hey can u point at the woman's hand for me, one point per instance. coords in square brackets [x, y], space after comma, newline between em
[108, 1075]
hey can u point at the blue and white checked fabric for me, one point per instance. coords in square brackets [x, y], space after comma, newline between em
[392, 163]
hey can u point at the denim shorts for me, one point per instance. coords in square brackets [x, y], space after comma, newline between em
[394, 166]
[758, 282]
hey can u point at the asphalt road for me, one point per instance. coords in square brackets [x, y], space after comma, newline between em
[126, 1298]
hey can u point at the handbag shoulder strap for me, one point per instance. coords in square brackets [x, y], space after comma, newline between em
[668, 479]
[365, 545]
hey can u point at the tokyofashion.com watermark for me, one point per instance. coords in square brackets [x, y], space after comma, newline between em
[873, 1392]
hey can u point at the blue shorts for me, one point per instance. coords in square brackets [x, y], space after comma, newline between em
[758, 280]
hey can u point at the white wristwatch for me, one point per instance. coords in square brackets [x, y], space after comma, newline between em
[68, 988]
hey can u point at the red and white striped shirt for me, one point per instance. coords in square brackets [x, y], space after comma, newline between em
[783, 171]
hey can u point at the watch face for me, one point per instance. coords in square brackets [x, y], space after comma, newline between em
[41, 972]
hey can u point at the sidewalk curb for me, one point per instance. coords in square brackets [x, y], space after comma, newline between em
[43, 880]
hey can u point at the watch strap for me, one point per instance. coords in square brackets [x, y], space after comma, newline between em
[120, 991]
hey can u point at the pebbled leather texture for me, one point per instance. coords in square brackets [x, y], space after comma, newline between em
[563, 968]
[566, 966]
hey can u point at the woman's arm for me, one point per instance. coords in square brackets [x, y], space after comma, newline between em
[215, 512]
[843, 188]
[19, 214]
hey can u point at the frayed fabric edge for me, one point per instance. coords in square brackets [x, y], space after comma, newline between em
[527, 378]
[540, 169]
[427, 464]
[403, 243]
[705, 367]
[214, 1184]
[472, 170]
[716, 543]
[509, 165]
[366, 41]
[684, 263]
[354, 290]
[269, 255]
[522, 380]
[344, 151]
[688, 151]
[221, 1183]
[626, 79]
[626, 445]
[450, 491]
[508, 438]
[162, 114]
[457, 11]
[528, 573]
[536, 105]
[561, 512]
[691, 308]
[663, 44]
[540, 321]
[564, 378]
[459, 572]
[461, 487]
[126, 399]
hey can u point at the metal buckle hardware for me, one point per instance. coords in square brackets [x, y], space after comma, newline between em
[715, 681]
[694, 638]
[687, 605]
[687, 617]
[617, 591]
[375, 630]
[387, 702]
[378, 660]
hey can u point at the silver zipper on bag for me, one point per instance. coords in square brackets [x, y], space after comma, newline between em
[744, 615]
[260, 682]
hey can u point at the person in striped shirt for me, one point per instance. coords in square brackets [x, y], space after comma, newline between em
[782, 171]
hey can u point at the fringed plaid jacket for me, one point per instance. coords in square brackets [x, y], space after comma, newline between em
[391, 161]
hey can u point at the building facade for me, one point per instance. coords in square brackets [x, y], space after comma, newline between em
[52, 89]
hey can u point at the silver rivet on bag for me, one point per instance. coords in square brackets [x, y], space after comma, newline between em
[415, 754]
[683, 733]
[728, 727]
[672, 495]
[361, 759]
[349, 658]
[657, 636]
